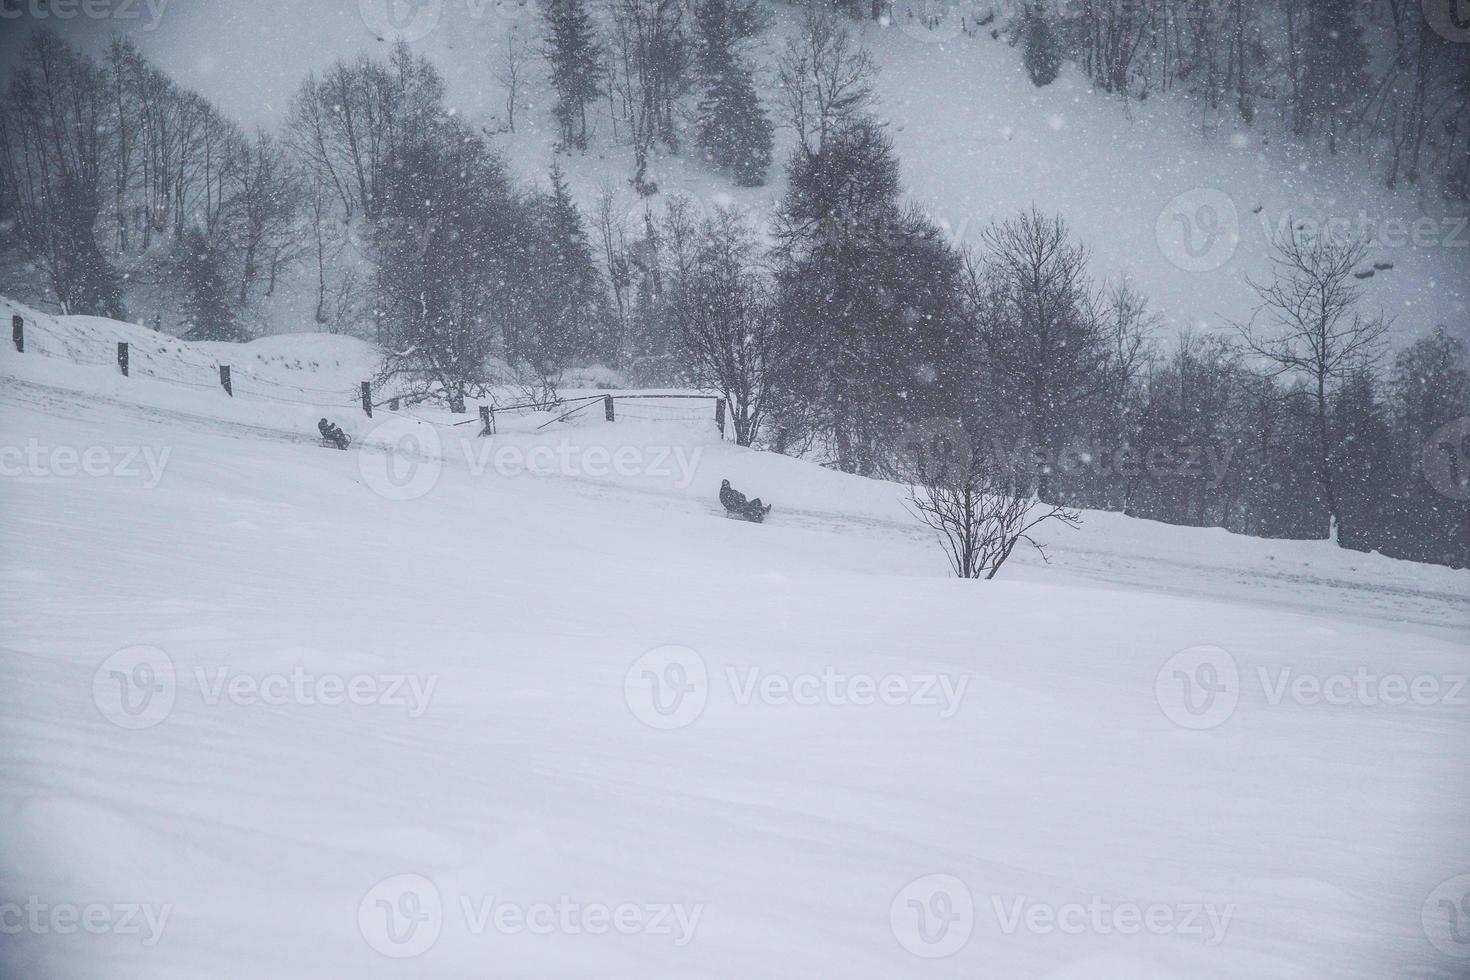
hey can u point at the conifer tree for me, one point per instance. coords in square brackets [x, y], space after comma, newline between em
[734, 129]
[575, 57]
[1040, 50]
[209, 311]
[571, 288]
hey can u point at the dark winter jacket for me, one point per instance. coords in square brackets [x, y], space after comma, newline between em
[332, 433]
[731, 498]
[734, 501]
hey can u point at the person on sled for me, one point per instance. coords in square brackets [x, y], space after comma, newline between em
[332, 434]
[737, 506]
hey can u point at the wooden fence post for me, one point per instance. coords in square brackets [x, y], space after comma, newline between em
[607, 407]
[367, 398]
[18, 332]
[720, 415]
[487, 420]
[224, 379]
[122, 357]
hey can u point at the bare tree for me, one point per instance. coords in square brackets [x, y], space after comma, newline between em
[651, 61]
[612, 235]
[1313, 330]
[268, 200]
[727, 320]
[511, 72]
[1046, 345]
[351, 123]
[978, 505]
[54, 146]
[825, 80]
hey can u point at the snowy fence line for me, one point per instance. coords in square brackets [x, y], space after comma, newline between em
[365, 391]
[226, 375]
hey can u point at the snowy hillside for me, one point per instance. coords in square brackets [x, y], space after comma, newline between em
[1186, 214]
[452, 706]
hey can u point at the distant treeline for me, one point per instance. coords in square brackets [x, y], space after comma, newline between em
[850, 330]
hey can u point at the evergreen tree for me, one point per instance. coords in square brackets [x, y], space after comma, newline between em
[869, 300]
[209, 309]
[570, 303]
[734, 129]
[1040, 50]
[719, 28]
[1361, 458]
[733, 126]
[575, 57]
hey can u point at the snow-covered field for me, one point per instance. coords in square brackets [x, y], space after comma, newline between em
[529, 706]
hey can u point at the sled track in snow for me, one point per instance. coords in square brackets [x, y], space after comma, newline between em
[75, 403]
[1447, 613]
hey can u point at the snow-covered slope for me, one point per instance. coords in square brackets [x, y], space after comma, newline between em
[451, 706]
[1185, 213]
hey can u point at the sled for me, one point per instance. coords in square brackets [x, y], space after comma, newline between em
[754, 517]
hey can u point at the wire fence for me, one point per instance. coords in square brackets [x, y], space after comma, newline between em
[130, 362]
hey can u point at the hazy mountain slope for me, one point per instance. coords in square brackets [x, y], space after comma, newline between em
[977, 141]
